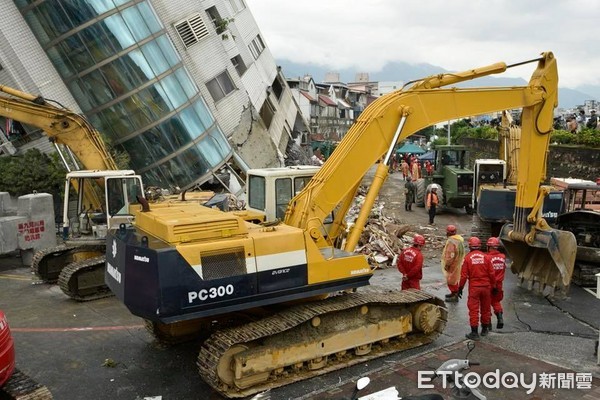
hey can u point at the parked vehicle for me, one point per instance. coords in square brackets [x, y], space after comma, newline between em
[7, 351]
[453, 177]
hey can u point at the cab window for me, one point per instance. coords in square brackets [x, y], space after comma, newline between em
[283, 195]
[256, 192]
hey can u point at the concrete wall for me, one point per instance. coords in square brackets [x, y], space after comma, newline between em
[31, 229]
[563, 161]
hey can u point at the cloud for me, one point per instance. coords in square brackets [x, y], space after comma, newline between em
[456, 35]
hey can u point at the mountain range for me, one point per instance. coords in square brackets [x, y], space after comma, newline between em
[405, 72]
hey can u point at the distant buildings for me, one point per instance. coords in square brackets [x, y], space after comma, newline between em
[331, 106]
[189, 90]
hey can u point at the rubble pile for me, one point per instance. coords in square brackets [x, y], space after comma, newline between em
[384, 237]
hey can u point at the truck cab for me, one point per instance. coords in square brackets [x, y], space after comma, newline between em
[270, 190]
[453, 175]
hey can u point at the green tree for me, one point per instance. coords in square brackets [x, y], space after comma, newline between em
[32, 171]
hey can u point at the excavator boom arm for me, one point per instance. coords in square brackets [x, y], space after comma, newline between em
[423, 105]
[62, 126]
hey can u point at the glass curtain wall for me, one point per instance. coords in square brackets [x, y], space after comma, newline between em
[124, 72]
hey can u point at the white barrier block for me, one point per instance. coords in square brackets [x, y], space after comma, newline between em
[9, 226]
[39, 231]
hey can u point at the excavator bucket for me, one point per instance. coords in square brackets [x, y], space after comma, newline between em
[548, 261]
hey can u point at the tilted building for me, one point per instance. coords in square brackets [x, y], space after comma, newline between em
[189, 90]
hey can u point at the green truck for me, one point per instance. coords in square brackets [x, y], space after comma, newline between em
[453, 177]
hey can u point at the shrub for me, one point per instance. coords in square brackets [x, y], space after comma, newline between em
[562, 137]
[33, 170]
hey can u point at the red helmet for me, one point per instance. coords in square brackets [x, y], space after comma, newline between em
[474, 242]
[493, 242]
[418, 239]
[451, 229]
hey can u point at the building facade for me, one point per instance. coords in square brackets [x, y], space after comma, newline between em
[188, 90]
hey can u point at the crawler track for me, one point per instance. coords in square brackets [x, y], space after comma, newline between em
[48, 263]
[22, 387]
[84, 280]
[247, 359]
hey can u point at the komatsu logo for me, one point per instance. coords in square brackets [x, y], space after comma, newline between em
[141, 258]
[112, 271]
[550, 214]
[360, 271]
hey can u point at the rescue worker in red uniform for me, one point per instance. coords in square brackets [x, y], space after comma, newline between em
[477, 269]
[410, 264]
[498, 261]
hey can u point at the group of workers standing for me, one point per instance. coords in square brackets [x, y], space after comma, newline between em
[483, 271]
[410, 166]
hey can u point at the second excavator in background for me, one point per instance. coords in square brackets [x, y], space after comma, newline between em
[272, 301]
[95, 194]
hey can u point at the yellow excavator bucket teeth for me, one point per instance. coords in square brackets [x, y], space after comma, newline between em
[549, 260]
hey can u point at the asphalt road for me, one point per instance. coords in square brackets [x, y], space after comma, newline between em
[99, 350]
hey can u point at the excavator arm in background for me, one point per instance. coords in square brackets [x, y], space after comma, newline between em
[62, 127]
[102, 191]
[400, 114]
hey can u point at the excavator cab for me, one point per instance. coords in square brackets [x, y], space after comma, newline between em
[98, 200]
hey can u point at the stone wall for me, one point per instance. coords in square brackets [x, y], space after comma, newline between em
[563, 161]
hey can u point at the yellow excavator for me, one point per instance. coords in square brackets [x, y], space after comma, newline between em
[276, 303]
[98, 194]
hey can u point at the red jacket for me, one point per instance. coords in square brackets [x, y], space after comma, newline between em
[410, 263]
[477, 268]
[498, 261]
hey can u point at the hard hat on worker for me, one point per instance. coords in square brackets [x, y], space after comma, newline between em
[451, 229]
[493, 242]
[474, 242]
[419, 240]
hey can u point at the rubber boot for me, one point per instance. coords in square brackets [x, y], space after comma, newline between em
[453, 298]
[485, 330]
[500, 323]
[473, 335]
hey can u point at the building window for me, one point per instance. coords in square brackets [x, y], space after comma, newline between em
[220, 86]
[219, 23]
[237, 5]
[256, 47]
[267, 112]
[239, 65]
[277, 87]
[191, 30]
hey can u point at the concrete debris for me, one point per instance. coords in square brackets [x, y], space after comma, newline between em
[384, 237]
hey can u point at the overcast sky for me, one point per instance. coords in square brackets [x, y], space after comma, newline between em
[455, 35]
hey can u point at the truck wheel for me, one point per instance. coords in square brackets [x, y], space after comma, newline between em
[420, 195]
